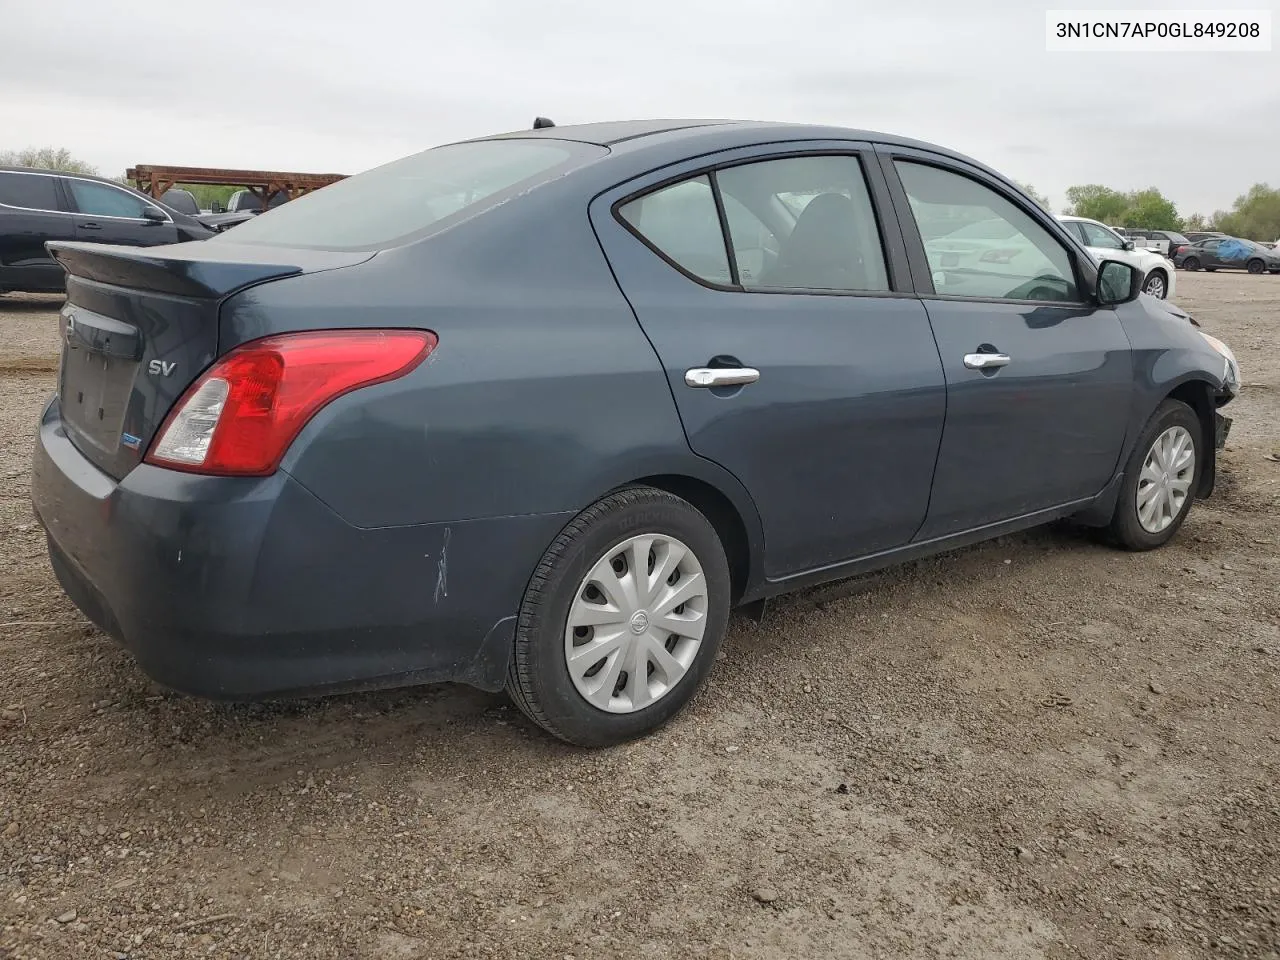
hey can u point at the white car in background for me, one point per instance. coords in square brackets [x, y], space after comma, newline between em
[1159, 275]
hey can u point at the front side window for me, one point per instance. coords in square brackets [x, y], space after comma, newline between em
[682, 223]
[1027, 264]
[100, 200]
[33, 191]
[1096, 236]
[818, 226]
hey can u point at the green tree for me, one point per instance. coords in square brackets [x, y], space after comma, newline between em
[1255, 215]
[1197, 221]
[1039, 198]
[1150, 209]
[1096, 202]
[46, 158]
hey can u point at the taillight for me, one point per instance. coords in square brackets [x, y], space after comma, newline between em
[240, 416]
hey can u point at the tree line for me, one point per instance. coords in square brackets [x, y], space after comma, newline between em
[1254, 216]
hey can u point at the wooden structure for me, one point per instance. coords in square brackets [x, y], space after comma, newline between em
[264, 184]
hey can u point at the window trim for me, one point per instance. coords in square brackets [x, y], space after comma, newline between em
[889, 154]
[106, 216]
[51, 175]
[897, 288]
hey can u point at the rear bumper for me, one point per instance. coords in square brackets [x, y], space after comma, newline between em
[252, 588]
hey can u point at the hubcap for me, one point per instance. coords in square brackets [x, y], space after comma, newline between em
[1155, 287]
[1165, 481]
[636, 623]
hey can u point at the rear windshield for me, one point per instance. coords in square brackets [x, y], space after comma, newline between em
[402, 200]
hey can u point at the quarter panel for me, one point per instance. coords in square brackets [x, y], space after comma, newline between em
[542, 395]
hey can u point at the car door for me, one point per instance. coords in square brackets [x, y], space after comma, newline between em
[1207, 252]
[776, 295]
[32, 211]
[1038, 376]
[1105, 244]
[108, 214]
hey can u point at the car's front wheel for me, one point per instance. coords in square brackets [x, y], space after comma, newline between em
[621, 620]
[1160, 478]
[1191, 263]
[1157, 284]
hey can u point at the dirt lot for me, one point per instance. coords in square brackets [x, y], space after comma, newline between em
[1035, 748]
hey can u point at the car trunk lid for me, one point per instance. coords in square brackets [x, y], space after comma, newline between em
[140, 325]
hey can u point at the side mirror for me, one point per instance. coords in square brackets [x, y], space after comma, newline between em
[154, 214]
[1118, 282]
[1128, 244]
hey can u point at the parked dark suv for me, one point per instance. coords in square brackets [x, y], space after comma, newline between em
[41, 205]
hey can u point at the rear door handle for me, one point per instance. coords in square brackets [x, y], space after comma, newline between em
[720, 376]
[985, 361]
[89, 226]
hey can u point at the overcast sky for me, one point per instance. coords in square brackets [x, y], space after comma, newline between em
[324, 86]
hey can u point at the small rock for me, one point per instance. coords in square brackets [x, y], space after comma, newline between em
[1026, 855]
[1007, 562]
[732, 749]
[808, 688]
[11, 830]
[1155, 688]
[67, 917]
[765, 895]
[148, 760]
[24, 528]
[10, 716]
[1227, 566]
[842, 789]
[831, 718]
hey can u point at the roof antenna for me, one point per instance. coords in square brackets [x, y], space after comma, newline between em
[540, 123]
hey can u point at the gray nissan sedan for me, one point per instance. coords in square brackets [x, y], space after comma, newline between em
[535, 411]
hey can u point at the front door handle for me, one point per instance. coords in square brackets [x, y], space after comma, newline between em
[89, 226]
[986, 361]
[720, 376]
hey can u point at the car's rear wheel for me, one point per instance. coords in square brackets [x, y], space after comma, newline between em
[1191, 263]
[1257, 266]
[622, 619]
[1157, 284]
[1160, 478]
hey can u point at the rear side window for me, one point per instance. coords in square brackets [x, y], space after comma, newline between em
[35, 191]
[405, 199]
[681, 223]
[1029, 263]
[99, 200]
[795, 223]
[823, 225]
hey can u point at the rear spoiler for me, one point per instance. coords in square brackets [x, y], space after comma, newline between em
[197, 269]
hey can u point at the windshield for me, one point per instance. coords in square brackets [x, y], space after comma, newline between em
[403, 200]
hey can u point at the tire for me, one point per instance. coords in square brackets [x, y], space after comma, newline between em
[1191, 263]
[1156, 284]
[1210, 269]
[1257, 266]
[1128, 528]
[539, 679]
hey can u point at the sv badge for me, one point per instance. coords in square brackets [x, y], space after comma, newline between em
[161, 368]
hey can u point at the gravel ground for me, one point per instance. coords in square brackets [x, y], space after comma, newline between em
[1039, 747]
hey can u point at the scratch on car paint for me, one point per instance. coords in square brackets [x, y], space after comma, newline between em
[442, 567]
[179, 558]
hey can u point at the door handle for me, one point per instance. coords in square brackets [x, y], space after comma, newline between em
[986, 361]
[720, 376]
[89, 226]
